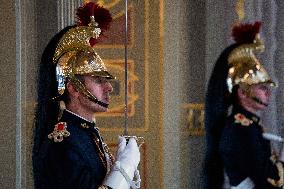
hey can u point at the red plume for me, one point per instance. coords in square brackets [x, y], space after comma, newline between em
[102, 17]
[245, 33]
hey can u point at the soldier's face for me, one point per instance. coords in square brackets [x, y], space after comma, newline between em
[99, 87]
[260, 96]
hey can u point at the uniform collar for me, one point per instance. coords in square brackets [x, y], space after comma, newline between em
[76, 119]
[247, 114]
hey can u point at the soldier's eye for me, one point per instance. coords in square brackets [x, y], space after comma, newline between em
[100, 80]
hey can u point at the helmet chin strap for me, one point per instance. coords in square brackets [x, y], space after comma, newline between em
[258, 101]
[92, 98]
[81, 87]
[254, 98]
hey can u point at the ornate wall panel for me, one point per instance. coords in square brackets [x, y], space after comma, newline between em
[9, 126]
[194, 119]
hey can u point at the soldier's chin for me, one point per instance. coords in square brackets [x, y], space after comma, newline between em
[100, 109]
[102, 103]
[104, 108]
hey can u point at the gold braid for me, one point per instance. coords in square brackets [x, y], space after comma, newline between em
[277, 183]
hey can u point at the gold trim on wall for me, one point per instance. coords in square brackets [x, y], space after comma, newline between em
[161, 128]
[194, 118]
[108, 4]
[130, 29]
[145, 127]
[240, 9]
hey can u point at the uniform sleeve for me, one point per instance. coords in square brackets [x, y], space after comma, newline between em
[66, 168]
[262, 165]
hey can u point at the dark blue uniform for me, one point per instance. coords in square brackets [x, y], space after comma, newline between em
[245, 152]
[78, 161]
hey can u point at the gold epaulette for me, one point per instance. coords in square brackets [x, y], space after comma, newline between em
[242, 119]
[59, 131]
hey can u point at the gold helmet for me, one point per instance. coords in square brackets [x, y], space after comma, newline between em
[244, 67]
[75, 54]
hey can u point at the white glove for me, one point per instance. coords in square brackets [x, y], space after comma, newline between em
[128, 154]
[127, 160]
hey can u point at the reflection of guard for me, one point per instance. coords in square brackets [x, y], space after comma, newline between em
[69, 151]
[235, 142]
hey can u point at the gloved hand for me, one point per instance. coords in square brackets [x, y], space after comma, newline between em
[127, 160]
[128, 154]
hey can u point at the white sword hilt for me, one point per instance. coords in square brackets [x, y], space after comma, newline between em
[272, 137]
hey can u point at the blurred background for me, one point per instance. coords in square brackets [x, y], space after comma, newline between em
[172, 47]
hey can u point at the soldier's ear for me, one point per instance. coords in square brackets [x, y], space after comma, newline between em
[72, 91]
[241, 93]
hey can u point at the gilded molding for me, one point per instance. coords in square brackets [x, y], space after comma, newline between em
[194, 118]
[240, 9]
[108, 4]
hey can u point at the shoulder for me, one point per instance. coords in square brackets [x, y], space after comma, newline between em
[243, 127]
[67, 143]
[239, 129]
[69, 138]
[244, 131]
[59, 132]
[66, 132]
